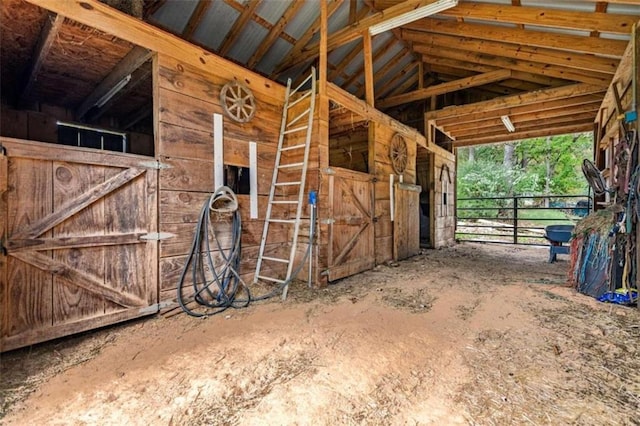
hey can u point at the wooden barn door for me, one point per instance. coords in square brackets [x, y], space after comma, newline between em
[76, 253]
[351, 232]
[406, 225]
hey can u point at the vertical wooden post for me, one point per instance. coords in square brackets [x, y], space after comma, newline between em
[368, 67]
[322, 60]
[420, 74]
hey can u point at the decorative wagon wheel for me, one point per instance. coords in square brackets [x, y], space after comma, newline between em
[398, 153]
[238, 101]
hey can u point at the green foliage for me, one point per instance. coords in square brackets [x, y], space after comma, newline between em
[542, 166]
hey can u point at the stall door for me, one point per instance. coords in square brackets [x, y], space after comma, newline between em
[406, 226]
[76, 250]
[351, 231]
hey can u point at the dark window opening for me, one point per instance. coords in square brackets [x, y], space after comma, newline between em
[237, 178]
[89, 137]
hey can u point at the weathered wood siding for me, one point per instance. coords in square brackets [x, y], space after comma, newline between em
[186, 99]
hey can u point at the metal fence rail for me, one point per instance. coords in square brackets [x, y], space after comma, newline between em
[517, 219]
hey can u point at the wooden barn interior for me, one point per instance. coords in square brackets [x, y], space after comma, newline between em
[115, 131]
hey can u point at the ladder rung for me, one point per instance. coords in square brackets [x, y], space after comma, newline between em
[282, 220]
[287, 166]
[302, 84]
[275, 259]
[288, 148]
[287, 183]
[302, 114]
[296, 129]
[284, 202]
[275, 280]
[306, 95]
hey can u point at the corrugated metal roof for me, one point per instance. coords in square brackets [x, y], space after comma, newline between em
[271, 11]
[247, 42]
[174, 15]
[215, 24]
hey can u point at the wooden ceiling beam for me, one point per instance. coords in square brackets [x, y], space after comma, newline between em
[584, 101]
[517, 100]
[508, 137]
[247, 12]
[352, 32]
[275, 32]
[313, 29]
[196, 18]
[554, 18]
[553, 71]
[134, 59]
[521, 126]
[526, 37]
[541, 55]
[48, 34]
[475, 67]
[522, 116]
[440, 89]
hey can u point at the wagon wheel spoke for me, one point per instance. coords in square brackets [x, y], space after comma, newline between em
[238, 102]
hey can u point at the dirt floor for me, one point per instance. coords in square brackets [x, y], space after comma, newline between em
[467, 335]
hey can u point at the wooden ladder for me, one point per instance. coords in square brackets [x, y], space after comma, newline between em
[293, 127]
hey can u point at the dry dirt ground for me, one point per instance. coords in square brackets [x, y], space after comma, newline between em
[467, 335]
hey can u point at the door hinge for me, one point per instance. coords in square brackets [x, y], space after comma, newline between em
[327, 221]
[374, 179]
[375, 219]
[157, 165]
[156, 307]
[156, 236]
[328, 171]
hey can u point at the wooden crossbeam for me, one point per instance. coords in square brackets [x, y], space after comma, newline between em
[535, 108]
[75, 278]
[352, 32]
[497, 129]
[246, 14]
[475, 67]
[572, 20]
[548, 70]
[48, 35]
[517, 100]
[508, 49]
[451, 86]
[196, 18]
[526, 37]
[275, 32]
[576, 111]
[131, 62]
[550, 131]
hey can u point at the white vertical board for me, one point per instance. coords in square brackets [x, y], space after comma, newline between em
[392, 196]
[253, 179]
[218, 152]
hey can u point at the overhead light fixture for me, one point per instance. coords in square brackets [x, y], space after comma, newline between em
[414, 15]
[508, 124]
[112, 92]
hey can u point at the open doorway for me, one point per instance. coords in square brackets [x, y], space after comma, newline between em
[424, 178]
[348, 140]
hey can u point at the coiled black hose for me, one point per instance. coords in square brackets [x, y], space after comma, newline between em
[220, 287]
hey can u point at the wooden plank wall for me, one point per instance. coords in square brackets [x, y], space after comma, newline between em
[444, 220]
[380, 141]
[186, 99]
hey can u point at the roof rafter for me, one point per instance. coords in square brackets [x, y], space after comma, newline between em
[48, 35]
[565, 59]
[352, 32]
[554, 71]
[451, 86]
[196, 17]
[585, 21]
[275, 32]
[527, 37]
[238, 25]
